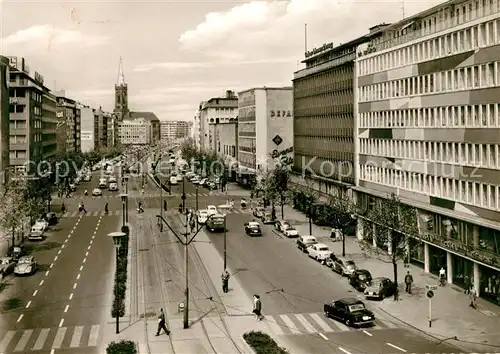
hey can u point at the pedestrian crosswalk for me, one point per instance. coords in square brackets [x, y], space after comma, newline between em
[300, 323]
[37, 339]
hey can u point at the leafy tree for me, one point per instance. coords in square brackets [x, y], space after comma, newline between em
[275, 185]
[121, 347]
[396, 225]
[342, 214]
[12, 206]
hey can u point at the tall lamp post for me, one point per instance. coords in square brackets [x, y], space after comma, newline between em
[117, 238]
[225, 244]
[124, 197]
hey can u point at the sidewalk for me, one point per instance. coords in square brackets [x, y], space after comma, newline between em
[451, 315]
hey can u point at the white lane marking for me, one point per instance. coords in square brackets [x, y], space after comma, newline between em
[91, 241]
[53, 351]
[63, 244]
[344, 351]
[396, 347]
[61, 332]
[66, 308]
[42, 337]
[28, 304]
[70, 296]
[55, 258]
[290, 324]
[78, 276]
[367, 333]
[323, 336]
[61, 322]
[51, 265]
[84, 260]
[65, 240]
[77, 336]
[75, 285]
[59, 252]
[89, 247]
[86, 254]
[41, 283]
[81, 267]
[35, 292]
[23, 340]
[20, 318]
[94, 336]
[47, 273]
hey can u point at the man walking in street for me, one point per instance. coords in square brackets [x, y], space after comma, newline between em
[225, 280]
[473, 297]
[81, 208]
[162, 324]
[408, 282]
[257, 308]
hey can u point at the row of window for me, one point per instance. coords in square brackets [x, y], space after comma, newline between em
[473, 37]
[336, 98]
[473, 116]
[340, 124]
[338, 57]
[479, 194]
[17, 139]
[463, 154]
[229, 150]
[17, 154]
[316, 82]
[473, 77]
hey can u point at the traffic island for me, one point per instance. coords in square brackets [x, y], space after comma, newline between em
[262, 343]
[122, 347]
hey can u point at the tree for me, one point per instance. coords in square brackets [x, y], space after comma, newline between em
[305, 197]
[396, 228]
[342, 214]
[12, 206]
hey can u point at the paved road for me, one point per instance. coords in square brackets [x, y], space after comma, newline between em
[63, 306]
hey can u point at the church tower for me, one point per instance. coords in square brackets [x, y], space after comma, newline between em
[121, 94]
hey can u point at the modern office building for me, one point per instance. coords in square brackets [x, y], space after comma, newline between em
[215, 110]
[265, 129]
[189, 129]
[143, 129]
[225, 143]
[4, 120]
[196, 131]
[174, 129]
[32, 117]
[69, 124]
[89, 139]
[428, 130]
[323, 124]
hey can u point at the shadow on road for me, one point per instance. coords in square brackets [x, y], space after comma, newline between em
[11, 304]
[37, 247]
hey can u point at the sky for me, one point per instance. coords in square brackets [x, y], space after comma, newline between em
[178, 53]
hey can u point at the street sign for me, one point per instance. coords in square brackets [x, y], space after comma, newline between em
[430, 287]
[429, 294]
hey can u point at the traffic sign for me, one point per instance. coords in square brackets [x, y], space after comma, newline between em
[429, 294]
[431, 287]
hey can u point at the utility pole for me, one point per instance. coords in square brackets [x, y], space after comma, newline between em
[183, 197]
[225, 244]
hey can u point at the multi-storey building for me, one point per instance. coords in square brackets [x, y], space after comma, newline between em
[69, 124]
[219, 109]
[171, 130]
[140, 130]
[225, 143]
[4, 120]
[32, 117]
[323, 100]
[89, 139]
[429, 131]
[196, 133]
[189, 132]
[265, 128]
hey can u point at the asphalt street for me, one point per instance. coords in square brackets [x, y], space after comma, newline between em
[62, 307]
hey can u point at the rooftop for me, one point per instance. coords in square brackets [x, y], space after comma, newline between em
[150, 116]
[266, 88]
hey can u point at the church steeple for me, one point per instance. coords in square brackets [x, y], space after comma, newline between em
[121, 93]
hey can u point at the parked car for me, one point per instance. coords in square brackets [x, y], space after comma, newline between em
[42, 222]
[113, 186]
[72, 187]
[319, 252]
[282, 225]
[179, 178]
[211, 185]
[202, 216]
[202, 182]
[344, 266]
[16, 252]
[102, 183]
[379, 288]
[36, 232]
[252, 228]
[96, 192]
[267, 218]
[259, 212]
[330, 260]
[359, 279]
[351, 311]
[25, 266]
[212, 209]
[305, 241]
[51, 218]
[87, 178]
[291, 232]
[7, 265]
[173, 180]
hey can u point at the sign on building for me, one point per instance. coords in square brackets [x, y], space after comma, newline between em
[38, 78]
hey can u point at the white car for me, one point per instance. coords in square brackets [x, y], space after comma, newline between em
[87, 178]
[202, 181]
[179, 178]
[102, 183]
[212, 210]
[112, 179]
[291, 232]
[319, 251]
[25, 265]
[173, 180]
[113, 186]
[203, 216]
[36, 232]
[43, 223]
[97, 192]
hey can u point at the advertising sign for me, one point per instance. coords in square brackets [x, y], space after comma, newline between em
[13, 62]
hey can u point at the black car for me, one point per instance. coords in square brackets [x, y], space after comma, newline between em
[51, 218]
[351, 311]
[16, 252]
[359, 279]
[253, 229]
[379, 288]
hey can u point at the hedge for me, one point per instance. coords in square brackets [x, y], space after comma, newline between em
[122, 347]
[120, 282]
[262, 343]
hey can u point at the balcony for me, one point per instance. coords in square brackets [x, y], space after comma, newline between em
[18, 100]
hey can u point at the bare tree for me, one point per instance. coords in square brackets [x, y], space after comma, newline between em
[342, 214]
[396, 228]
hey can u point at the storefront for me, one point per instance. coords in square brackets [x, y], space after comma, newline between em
[463, 271]
[417, 254]
[490, 284]
[437, 259]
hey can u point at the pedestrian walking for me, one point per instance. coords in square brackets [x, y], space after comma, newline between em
[473, 298]
[225, 281]
[467, 285]
[106, 210]
[257, 308]
[442, 277]
[81, 208]
[63, 208]
[408, 282]
[162, 324]
[192, 225]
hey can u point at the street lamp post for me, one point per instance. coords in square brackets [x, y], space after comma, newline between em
[117, 239]
[310, 217]
[225, 244]
[124, 197]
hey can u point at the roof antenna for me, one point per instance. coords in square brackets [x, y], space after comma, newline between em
[403, 8]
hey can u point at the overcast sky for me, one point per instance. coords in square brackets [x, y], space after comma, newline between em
[178, 53]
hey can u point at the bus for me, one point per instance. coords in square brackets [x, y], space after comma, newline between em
[216, 223]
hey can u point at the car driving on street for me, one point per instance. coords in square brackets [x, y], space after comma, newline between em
[351, 311]
[96, 192]
[259, 212]
[202, 216]
[252, 228]
[216, 223]
[212, 210]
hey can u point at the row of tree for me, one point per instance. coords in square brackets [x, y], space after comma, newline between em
[24, 198]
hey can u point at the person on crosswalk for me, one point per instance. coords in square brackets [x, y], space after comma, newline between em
[162, 324]
[63, 208]
[81, 208]
[106, 210]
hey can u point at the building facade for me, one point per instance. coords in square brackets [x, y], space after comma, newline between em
[141, 130]
[69, 124]
[171, 130]
[89, 140]
[215, 110]
[4, 120]
[225, 143]
[32, 117]
[154, 123]
[196, 132]
[265, 128]
[323, 99]
[429, 131]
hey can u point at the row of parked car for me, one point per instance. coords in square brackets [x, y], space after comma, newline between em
[210, 182]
